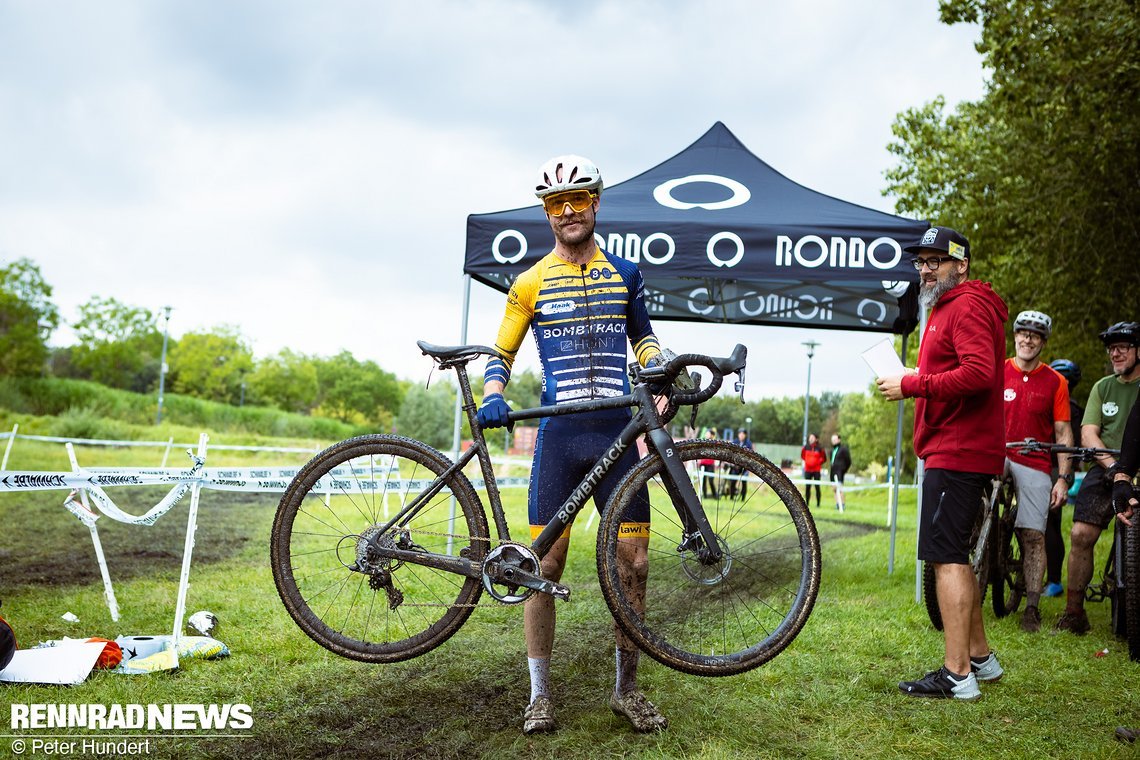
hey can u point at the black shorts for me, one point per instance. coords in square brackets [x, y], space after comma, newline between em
[1094, 499]
[838, 476]
[951, 501]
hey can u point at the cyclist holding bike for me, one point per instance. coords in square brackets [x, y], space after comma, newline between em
[1036, 406]
[958, 432]
[1110, 401]
[582, 305]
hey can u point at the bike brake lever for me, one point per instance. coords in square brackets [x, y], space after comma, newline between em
[739, 385]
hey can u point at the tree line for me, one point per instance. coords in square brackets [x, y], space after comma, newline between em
[1041, 173]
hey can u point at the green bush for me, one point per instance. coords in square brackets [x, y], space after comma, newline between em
[85, 407]
[86, 422]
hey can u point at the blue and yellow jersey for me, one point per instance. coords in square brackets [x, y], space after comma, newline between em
[581, 317]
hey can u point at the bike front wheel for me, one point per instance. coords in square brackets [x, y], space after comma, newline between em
[336, 588]
[714, 618]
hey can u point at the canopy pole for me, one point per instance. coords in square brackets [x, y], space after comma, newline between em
[920, 474]
[457, 428]
[897, 468]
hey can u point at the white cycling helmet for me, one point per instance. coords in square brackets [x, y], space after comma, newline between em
[563, 173]
[1034, 321]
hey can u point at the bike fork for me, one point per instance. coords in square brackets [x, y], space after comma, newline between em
[684, 496]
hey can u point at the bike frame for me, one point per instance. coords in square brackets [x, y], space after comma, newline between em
[645, 421]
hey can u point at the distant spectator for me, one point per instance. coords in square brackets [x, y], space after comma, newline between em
[708, 470]
[840, 464]
[813, 458]
[735, 472]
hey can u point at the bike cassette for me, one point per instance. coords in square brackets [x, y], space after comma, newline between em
[501, 564]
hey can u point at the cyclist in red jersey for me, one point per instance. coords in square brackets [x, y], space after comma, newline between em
[1036, 406]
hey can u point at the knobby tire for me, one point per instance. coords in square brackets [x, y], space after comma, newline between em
[395, 611]
[1131, 591]
[728, 617]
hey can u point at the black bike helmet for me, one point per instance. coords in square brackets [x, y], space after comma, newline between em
[1122, 332]
[1068, 369]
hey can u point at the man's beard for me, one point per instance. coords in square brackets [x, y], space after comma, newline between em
[1124, 371]
[575, 239]
[927, 297]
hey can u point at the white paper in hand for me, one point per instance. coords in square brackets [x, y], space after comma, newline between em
[883, 360]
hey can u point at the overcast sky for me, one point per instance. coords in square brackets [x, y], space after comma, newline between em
[304, 171]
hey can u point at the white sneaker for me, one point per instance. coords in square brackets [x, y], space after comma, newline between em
[987, 670]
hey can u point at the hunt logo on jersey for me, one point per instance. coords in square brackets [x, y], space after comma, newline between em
[596, 273]
[1109, 409]
[557, 307]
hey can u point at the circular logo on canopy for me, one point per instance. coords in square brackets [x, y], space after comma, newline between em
[663, 193]
[498, 241]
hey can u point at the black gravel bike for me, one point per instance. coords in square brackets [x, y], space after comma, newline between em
[995, 556]
[381, 550]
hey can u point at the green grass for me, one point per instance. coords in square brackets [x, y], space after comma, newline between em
[832, 694]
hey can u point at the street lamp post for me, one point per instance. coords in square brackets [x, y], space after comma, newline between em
[748, 428]
[162, 365]
[811, 344]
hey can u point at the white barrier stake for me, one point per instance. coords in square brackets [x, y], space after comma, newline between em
[108, 589]
[8, 448]
[166, 454]
[187, 551]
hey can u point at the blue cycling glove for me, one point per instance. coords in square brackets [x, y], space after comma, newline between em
[493, 413]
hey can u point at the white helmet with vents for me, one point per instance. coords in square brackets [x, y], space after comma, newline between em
[563, 173]
[1034, 321]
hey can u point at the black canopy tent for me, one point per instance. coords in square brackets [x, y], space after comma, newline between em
[721, 236]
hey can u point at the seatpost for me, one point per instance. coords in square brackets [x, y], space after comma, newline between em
[480, 442]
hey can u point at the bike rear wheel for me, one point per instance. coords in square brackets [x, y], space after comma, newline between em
[1007, 577]
[981, 569]
[930, 595]
[728, 617]
[358, 605]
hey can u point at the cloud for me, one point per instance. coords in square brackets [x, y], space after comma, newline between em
[304, 171]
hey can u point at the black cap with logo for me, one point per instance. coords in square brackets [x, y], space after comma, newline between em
[942, 239]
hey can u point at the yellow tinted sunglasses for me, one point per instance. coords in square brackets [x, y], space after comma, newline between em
[578, 200]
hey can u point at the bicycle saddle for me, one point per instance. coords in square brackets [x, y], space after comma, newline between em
[454, 354]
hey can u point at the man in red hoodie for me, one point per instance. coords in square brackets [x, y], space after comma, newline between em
[959, 434]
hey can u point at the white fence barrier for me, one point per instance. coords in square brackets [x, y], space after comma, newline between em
[86, 489]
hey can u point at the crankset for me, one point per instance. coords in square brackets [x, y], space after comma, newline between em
[512, 572]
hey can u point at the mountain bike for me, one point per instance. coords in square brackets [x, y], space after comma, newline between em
[381, 550]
